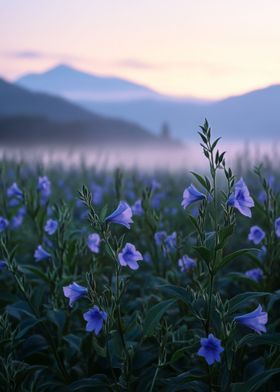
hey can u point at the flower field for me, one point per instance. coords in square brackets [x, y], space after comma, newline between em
[126, 281]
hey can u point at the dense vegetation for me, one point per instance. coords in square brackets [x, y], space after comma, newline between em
[110, 282]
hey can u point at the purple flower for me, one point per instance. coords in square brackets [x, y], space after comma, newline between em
[255, 320]
[4, 223]
[95, 319]
[210, 349]
[97, 194]
[241, 199]
[277, 227]
[137, 208]
[160, 237]
[156, 199]
[74, 291]
[255, 274]
[171, 241]
[41, 254]
[256, 235]
[262, 253]
[44, 186]
[147, 257]
[122, 215]
[14, 191]
[14, 202]
[16, 221]
[129, 257]
[186, 263]
[3, 264]
[51, 226]
[191, 195]
[262, 196]
[155, 185]
[93, 242]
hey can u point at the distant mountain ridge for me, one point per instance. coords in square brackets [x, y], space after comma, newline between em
[77, 85]
[253, 115]
[27, 116]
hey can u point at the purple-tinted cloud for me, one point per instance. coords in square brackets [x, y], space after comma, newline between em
[27, 54]
[33, 54]
[134, 63]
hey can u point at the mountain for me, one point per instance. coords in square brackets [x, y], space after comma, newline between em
[37, 117]
[15, 100]
[77, 85]
[245, 117]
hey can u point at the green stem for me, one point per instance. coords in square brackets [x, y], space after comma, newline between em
[154, 378]
[210, 302]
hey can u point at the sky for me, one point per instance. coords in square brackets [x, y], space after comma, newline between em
[207, 49]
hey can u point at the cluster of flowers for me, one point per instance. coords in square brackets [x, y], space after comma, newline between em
[128, 257]
[211, 347]
[240, 199]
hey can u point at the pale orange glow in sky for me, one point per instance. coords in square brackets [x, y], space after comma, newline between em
[201, 48]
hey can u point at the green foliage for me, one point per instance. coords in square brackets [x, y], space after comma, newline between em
[157, 314]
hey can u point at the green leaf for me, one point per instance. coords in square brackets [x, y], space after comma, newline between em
[215, 143]
[224, 234]
[178, 292]
[241, 299]
[103, 212]
[154, 315]
[99, 382]
[271, 339]
[254, 383]
[35, 271]
[226, 260]
[201, 180]
[204, 253]
[31, 323]
[180, 353]
[194, 222]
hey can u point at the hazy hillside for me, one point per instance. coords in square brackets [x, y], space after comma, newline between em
[15, 100]
[28, 116]
[248, 116]
[71, 83]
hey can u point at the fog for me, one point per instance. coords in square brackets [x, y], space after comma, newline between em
[187, 157]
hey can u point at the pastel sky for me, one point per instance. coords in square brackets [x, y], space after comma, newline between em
[201, 48]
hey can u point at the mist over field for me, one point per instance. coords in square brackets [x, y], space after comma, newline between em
[182, 158]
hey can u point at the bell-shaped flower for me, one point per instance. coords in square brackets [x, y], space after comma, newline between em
[14, 191]
[51, 226]
[95, 319]
[4, 223]
[122, 215]
[74, 291]
[255, 320]
[255, 274]
[241, 199]
[160, 237]
[93, 242]
[137, 208]
[277, 227]
[41, 254]
[44, 186]
[191, 195]
[256, 235]
[186, 263]
[129, 257]
[210, 349]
